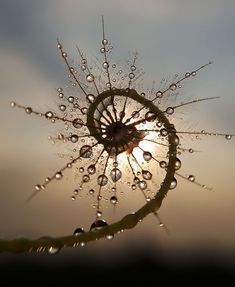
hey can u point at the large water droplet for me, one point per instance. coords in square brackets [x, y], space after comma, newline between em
[62, 108]
[58, 175]
[28, 110]
[105, 65]
[177, 164]
[173, 87]
[115, 174]
[102, 180]
[98, 224]
[86, 151]
[170, 110]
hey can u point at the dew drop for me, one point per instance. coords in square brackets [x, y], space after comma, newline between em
[173, 184]
[173, 87]
[131, 76]
[191, 178]
[159, 94]
[78, 123]
[191, 150]
[98, 213]
[86, 178]
[228, 137]
[115, 174]
[58, 175]
[193, 73]
[150, 116]
[102, 50]
[133, 187]
[177, 164]
[86, 151]
[163, 132]
[98, 224]
[91, 191]
[13, 104]
[71, 99]
[84, 110]
[49, 115]
[105, 65]
[74, 138]
[135, 114]
[170, 111]
[62, 108]
[133, 68]
[104, 41]
[187, 75]
[73, 197]
[113, 199]
[163, 164]
[147, 156]
[90, 78]
[28, 110]
[90, 98]
[81, 169]
[142, 184]
[53, 250]
[91, 169]
[102, 180]
[109, 236]
[38, 187]
[78, 231]
[146, 174]
[64, 54]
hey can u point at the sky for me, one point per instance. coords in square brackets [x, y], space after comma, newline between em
[171, 37]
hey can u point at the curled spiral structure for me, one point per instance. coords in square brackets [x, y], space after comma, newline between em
[120, 136]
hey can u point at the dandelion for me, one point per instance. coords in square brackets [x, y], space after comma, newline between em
[122, 136]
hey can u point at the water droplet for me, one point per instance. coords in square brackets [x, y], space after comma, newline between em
[91, 191]
[163, 164]
[62, 108]
[191, 150]
[86, 151]
[78, 231]
[91, 169]
[113, 199]
[84, 110]
[60, 90]
[133, 186]
[73, 197]
[28, 110]
[58, 175]
[38, 187]
[61, 95]
[71, 99]
[142, 184]
[109, 236]
[131, 76]
[228, 137]
[193, 73]
[90, 98]
[146, 174]
[98, 224]
[176, 140]
[115, 174]
[86, 178]
[49, 115]
[102, 180]
[173, 184]
[64, 54]
[135, 114]
[150, 116]
[105, 65]
[90, 78]
[133, 68]
[173, 87]
[163, 132]
[13, 104]
[74, 138]
[170, 110]
[177, 164]
[81, 169]
[102, 50]
[53, 250]
[187, 75]
[147, 156]
[114, 66]
[159, 94]
[99, 213]
[104, 41]
[191, 178]
[78, 123]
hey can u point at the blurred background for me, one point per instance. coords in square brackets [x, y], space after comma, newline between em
[171, 37]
